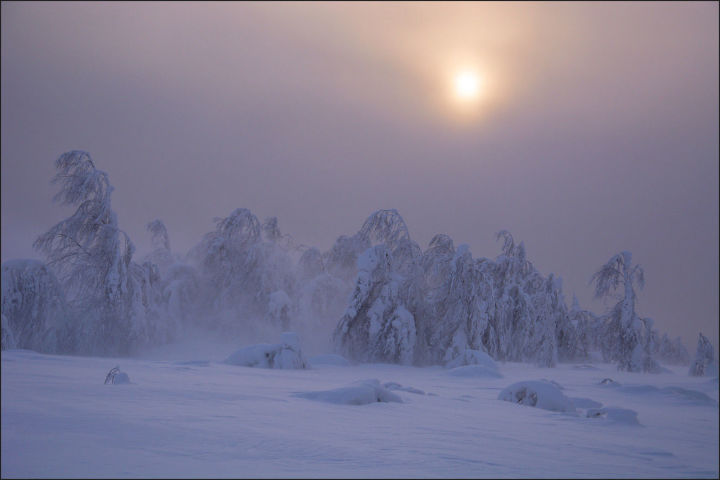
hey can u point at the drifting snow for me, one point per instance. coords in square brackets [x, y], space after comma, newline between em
[361, 393]
[540, 394]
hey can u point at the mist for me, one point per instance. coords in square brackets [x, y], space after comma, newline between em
[599, 133]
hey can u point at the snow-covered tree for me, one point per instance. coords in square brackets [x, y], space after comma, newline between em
[341, 260]
[226, 260]
[672, 352]
[459, 302]
[377, 327]
[627, 336]
[34, 311]
[550, 321]
[161, 255]
[181, 290]
[585, 324]
[92, 259]
[310, 264]
[8, 338]
[384, 227]
[244, 269]
[704, 363]
[515, 281]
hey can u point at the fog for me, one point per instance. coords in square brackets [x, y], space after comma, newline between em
[597, 132]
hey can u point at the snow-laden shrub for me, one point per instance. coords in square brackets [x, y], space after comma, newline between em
[284, 355]
[540, 394]
[704, 363]
[359, 393]
[117, 377]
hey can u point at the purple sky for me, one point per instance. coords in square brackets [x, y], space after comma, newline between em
[598, 131]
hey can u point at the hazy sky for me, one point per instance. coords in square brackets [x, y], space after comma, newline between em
[596, 130]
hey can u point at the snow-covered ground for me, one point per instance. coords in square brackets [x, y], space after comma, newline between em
[189, 415]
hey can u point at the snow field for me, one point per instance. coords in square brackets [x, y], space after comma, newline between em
[202, 418]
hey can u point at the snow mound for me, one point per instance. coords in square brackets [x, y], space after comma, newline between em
[553, 382]
[329, 359]
[614, 415]
[285, 355]
[359, 393]
[609, 382]
[397, 386]
[537, 393]
[474, 371]
[472, 357]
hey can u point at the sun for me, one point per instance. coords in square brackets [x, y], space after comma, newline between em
[466, 85]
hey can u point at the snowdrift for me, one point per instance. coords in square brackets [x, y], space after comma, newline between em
[285, 355]
[397, 386]
[474, 371]
[473, 363]
[537, 393]
[614, 415]
[360, 393]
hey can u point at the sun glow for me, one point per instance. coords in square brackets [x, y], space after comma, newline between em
[466, 85]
